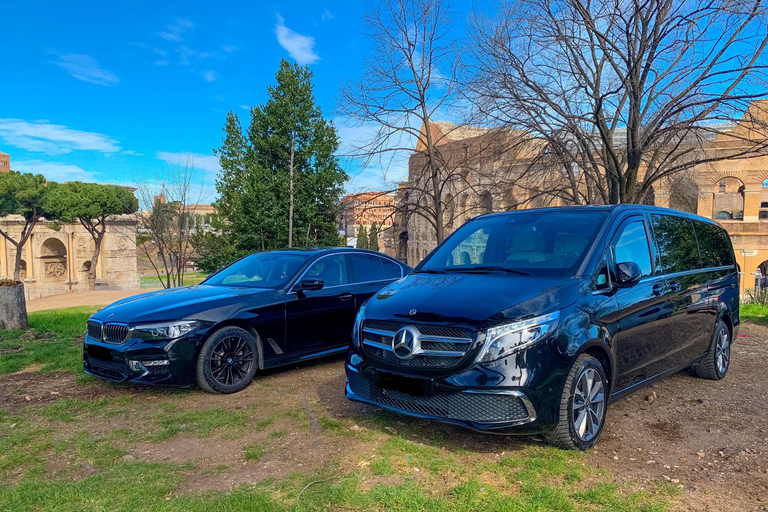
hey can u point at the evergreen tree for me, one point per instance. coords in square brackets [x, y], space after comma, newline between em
[280, 183]
[373, 238]
[362, 238]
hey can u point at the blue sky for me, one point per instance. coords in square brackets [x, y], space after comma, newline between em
[114, 92]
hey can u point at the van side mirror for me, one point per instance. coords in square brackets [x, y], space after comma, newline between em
[628, 273]
[306, 285]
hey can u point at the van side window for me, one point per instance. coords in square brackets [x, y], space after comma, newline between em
[715, 250]
[632, 245]
[677, 243]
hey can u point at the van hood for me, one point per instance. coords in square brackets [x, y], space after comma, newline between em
[478, 301]
[181, 303]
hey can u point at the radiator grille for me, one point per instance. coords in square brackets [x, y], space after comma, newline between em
[113, 369]
[94, 330]
[438, 347]
[115, 333]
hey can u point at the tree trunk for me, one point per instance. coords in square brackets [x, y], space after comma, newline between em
[290, 205]
[94, 262]
[13, 307]
[17, 264]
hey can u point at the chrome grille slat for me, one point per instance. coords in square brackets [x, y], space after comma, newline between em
[440, 346]
[115, 333]
[94, 329]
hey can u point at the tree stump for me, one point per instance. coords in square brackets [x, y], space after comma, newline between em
[13, 305]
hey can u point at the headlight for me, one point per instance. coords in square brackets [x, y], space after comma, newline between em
[357, 328]
[506, 339]
[165, 330]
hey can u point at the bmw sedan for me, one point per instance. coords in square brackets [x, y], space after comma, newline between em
[262, 311]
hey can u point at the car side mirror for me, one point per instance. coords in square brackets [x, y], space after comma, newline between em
[628, 273]
[306, 285]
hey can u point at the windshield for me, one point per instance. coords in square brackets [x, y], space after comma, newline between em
[261, 270]
[535, 242]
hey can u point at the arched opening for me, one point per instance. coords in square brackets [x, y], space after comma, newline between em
[486, 202]
[729, 198]
[684, 194]
[724, 215]
[54, 255]
[761, 275]
[86, 266]
[22, 270]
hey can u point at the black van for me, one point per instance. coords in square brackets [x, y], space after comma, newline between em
[533, 321]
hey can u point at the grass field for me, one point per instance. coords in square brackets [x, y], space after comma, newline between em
[76, 443]
[754, 313]
[150, 279]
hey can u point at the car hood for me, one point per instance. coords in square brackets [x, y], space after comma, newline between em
[179, 303]
[474, 300]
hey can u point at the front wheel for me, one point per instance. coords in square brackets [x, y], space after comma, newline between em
[715, 363]
[227, 361]
[582, 406]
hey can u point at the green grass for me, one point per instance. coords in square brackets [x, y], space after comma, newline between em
[253, 452]
[150, 279]
[201, 422]
[754, 313]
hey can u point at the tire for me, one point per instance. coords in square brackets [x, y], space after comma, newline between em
[714, 365]
[227, 361]
[581, 421]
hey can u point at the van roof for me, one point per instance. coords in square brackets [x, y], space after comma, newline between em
[613, 208]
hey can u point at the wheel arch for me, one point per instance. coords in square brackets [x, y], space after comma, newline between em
[600, 351]
[236, 322]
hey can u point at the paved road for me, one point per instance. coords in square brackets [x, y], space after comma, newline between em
[94, 298]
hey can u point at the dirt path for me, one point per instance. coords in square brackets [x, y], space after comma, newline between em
[94, 298]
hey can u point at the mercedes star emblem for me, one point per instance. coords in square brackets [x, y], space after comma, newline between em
[405, 342]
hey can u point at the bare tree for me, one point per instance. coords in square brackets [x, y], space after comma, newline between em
[169, 219]
[624, 95]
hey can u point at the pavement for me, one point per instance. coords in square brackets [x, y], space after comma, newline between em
[92, 298]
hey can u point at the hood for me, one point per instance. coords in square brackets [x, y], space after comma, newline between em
[475, 300]
[178, 303]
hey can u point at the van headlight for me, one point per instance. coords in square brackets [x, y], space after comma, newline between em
[358, 326]
[165, 330]
[503, 340]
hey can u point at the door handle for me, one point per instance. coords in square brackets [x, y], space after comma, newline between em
[345, 296]
[658, 289]
[675, 286]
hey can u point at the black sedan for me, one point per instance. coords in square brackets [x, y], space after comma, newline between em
[265, 310]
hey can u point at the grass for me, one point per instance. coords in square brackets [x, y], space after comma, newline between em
[150, 279]
[754, 313]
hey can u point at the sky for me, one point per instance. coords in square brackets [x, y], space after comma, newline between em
[115, 92]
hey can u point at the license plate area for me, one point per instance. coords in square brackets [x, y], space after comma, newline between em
[98, 352]
[409, 385]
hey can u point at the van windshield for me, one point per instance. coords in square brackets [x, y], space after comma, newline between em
[527, 242]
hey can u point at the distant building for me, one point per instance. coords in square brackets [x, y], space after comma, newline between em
[56, 261]
[366, 209]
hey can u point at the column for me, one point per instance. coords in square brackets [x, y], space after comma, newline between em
[30, 257]
[4, 258]
[70, 259]
[706, 200]
[751, 205]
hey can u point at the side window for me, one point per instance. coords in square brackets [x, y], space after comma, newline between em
[631, 244]
[715, 249]
[391, 269]
[677, 243]
[331, 269]
[366, 267]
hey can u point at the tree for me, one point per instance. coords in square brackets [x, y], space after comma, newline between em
[170, 221]
[362, 238]
[24, 195]
[373, 238]
[91, 204]
[281, 182]
[620, 96]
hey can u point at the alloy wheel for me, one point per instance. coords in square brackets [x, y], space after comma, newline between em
[588, 406]
[231, 359]
[722, 351]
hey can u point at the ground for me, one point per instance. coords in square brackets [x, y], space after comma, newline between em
[68, 441]
[91, 298]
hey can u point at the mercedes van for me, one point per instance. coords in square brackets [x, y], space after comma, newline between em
[533, 321]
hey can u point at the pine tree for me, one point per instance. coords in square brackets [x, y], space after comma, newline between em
[362, 238]
[373, 238]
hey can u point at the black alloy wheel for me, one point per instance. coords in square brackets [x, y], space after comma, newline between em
[714, 365]
[228, 361]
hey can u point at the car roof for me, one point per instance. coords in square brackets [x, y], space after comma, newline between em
[328, 250]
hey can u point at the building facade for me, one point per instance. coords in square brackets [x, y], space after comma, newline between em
[367, 209]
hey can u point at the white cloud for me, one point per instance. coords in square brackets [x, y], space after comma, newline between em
[208, 163]
[86, 68]
[54, 171]
[327, 15]
[176, 30]
[53, 139]
[245, 107]
[300, 47]
[210, 76]
[229, 48]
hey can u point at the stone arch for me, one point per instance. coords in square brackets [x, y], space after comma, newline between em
[728, 198]
[53, 252]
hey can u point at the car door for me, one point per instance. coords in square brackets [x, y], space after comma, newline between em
[641, 309]
[689, 326]
[319, 320]
[371, 273]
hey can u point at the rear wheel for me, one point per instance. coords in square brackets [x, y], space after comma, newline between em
[582, 406]
[715, 363]
[227, 361]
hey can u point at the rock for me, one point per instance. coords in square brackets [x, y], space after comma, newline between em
[391, 430]
[128, 457]
[700, 454]
[665, 477]
[650, 398]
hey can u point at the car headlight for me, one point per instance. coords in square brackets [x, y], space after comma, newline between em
[503, 340]
[165, 330]
[357, 327]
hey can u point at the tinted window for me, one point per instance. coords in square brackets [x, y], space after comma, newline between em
[539, 242]
[391, 269]
[714, 246]
[261, 270]
[677, 243]
[331, 269]
[367, 267]
[632, 245]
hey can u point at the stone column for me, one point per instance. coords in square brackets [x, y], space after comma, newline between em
[70, 260]
[751, 205]
[4, 258]
[30, 257]
[704, 208]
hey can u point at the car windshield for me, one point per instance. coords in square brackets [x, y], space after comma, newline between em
[261, 270]
[533, 242]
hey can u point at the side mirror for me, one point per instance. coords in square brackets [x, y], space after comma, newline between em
[628, 273]
[310, 284]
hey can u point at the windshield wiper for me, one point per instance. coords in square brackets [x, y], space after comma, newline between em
[490, 268]
[429, 271]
